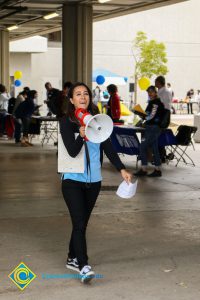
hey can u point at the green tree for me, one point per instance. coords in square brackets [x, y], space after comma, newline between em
[150, 58]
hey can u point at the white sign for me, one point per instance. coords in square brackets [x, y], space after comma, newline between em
[67, 163]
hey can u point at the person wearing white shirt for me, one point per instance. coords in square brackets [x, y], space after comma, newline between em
[173, 111]
[197, 98]
[166, 98]
[4, 97]
[170, 89]
[96, 93]
[163, 93]
[190, 100]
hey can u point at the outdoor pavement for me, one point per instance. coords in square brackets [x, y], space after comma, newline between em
[145, 248]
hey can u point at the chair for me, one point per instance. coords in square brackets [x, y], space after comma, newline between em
[125, 140]
[167, 140]
[49, 131]
[184, 139]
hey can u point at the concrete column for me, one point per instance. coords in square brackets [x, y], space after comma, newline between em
[4, 58]
[77, 43]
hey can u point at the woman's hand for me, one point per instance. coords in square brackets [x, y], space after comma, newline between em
[126, 175]
[82, 131]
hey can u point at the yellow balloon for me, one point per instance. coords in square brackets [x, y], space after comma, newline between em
[144, 83]
[18, 74]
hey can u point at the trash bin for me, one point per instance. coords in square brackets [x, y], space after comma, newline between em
[197, 124]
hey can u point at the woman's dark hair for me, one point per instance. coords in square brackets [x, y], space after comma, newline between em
[31, 94]
[2, 88]
[152, 88]
[23, 93]
[92, 108]
[112, 88]
[26, 89]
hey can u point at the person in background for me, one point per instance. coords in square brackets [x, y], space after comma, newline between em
[26, 89]
[170, 89]
[190, 100]
[66, 87]
[173, 111]
[197, 98]
[52, 93]
[4, 97]
[163, 93]
[18, 122]
[24, 112]
[166, 98]
[63, 99]
[155, 112]
[96, 95]
[113, 105]
[80, 190]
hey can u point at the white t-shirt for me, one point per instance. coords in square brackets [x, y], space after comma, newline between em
[4, 97]
[165, 96]
[96, 98]
[197, 98]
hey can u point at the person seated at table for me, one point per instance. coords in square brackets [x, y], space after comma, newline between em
[24, 112]
[18, 123]
[155, 113]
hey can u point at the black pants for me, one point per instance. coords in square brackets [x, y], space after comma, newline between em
[26, 123]
[18, 127]
[189, 107]
[2, 122]
[80, 201]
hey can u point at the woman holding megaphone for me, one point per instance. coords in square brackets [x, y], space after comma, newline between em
[80, 190]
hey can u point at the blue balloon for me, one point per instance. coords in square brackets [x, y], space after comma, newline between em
[125, 79]
[100, 79]
[18, 82]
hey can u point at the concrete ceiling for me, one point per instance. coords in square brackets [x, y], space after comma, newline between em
[28, 14]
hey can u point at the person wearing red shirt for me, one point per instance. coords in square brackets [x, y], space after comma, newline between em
[113, 106]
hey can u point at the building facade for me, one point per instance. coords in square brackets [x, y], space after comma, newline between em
[175, 25]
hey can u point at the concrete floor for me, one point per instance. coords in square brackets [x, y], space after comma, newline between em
[146, 248]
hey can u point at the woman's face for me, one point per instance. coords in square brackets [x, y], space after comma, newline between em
[81, 98]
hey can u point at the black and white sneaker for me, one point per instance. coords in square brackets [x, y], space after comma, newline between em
[155, 173]
[86, 274]
[72, 264]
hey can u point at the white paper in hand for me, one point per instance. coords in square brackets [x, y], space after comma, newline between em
[126, 190]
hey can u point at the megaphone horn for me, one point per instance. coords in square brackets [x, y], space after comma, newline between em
[97, 128]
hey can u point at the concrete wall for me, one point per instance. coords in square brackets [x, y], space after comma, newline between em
[22, 62]
[38, 68]
[32, 44]
[46, 67]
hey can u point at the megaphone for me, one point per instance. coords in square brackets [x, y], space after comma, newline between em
[98, 128]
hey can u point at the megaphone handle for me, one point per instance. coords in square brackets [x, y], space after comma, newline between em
[85, 138]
